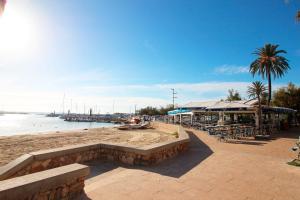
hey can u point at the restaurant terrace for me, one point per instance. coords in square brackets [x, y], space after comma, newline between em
[220, 113]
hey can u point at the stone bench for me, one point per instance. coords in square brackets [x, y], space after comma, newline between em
[65, 182]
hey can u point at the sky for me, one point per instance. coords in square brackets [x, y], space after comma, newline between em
[111, 55]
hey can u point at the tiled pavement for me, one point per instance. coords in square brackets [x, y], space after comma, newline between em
[209, 170]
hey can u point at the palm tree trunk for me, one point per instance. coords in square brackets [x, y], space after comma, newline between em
[269, 87]
[259, 115]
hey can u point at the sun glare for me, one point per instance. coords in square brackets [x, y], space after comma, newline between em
[16, 33]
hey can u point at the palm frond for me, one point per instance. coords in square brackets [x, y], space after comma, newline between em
[256, 89]
[269, 63]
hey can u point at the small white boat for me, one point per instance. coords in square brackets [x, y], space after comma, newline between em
[134, 126]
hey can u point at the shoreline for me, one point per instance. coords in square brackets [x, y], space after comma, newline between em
[21, 124]
[57, 131]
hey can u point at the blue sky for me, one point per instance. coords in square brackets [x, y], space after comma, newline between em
[132, 52]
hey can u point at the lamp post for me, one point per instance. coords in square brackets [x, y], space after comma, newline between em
[173, 99]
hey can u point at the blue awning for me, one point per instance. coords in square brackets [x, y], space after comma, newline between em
[178, 111]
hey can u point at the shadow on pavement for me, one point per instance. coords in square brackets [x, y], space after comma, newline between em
[174, 167]
[292, 133]
[98, 167]
[184, 162]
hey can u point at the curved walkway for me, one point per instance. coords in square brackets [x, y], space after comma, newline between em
[209, 170]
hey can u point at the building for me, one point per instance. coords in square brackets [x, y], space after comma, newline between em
[231, 112]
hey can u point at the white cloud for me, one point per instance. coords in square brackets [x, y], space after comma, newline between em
[160, 94]
[231, 69]
[85, 76]
[39, 101]
[188, 87]
[123, 97]
[205, 87]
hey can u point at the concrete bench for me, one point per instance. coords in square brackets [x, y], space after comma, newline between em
[65, 182]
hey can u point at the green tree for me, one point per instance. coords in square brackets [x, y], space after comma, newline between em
[288, 96]
[164, 110]
[149, 111]
[257, 90]
[155, 111]
[269, 63]
[233, 95]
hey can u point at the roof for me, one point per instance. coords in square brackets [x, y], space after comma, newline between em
[203, 104]
[220, 104]
[228, 104]
[225, 106]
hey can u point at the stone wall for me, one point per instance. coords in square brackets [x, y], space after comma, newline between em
[61, 183]
[71, 190]
[148, 155]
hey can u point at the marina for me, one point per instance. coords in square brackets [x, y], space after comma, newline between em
[17, 124]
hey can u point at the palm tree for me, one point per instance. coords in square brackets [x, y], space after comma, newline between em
[257, 90]
[269, 63]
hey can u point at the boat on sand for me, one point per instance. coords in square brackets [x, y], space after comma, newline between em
[135, 126]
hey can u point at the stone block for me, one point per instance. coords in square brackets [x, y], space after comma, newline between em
[43, 183]
[16, 165]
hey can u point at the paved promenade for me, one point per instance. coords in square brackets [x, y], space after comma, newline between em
[209, 170]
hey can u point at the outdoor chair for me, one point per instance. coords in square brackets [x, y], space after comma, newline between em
[211, 131]
[222, 136]
[251, 132]
[236, 133]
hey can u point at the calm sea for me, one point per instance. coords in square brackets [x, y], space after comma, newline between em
[17, 124]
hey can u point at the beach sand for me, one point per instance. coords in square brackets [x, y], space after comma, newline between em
[12, 147]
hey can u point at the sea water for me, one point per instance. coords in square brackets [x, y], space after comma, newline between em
[16, 124]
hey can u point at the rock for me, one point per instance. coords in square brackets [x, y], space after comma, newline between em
[58, 193]
[65, 191]
[109, 157]
[78, 158]
[35, 164]
[77, 187]
[130, 160]
[46, 163]
[123, 159]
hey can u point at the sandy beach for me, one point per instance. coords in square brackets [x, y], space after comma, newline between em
[12, 147]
